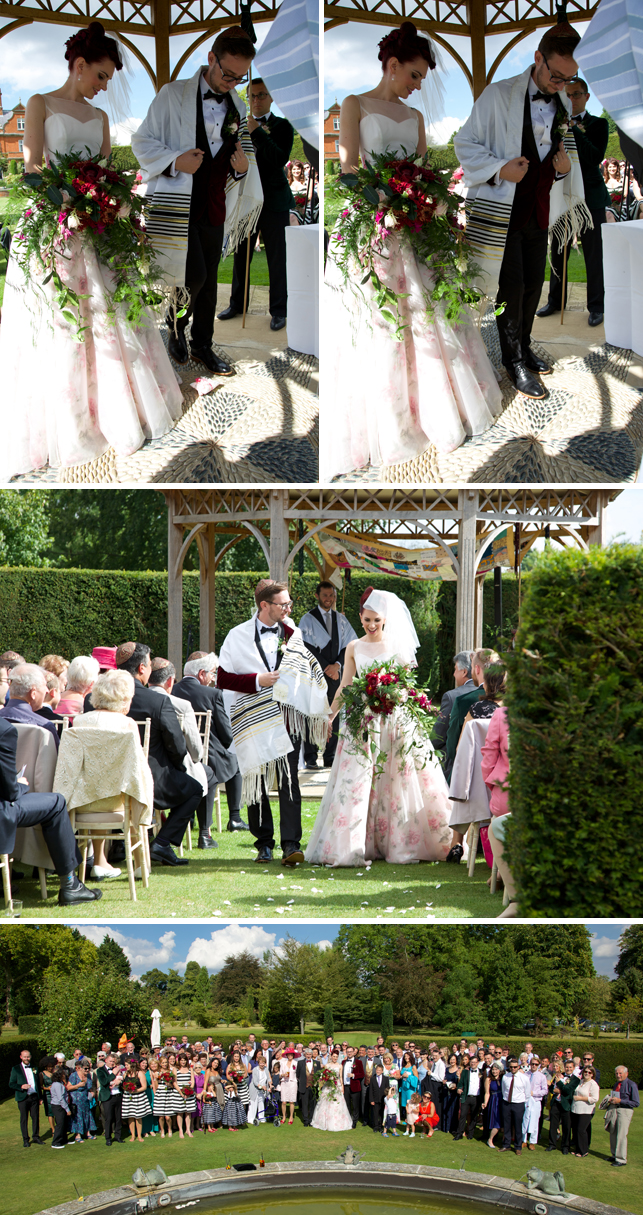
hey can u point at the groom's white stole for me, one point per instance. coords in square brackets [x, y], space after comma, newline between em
[262, 722]
[168, 129]
[492, 135]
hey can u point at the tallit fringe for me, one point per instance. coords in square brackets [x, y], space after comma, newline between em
[251, 783]
[242, 230]
[572, 224]
[312, 729]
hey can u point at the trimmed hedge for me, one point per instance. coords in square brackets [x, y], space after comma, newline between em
[575, 704]
[30, 1026]
[68, 612]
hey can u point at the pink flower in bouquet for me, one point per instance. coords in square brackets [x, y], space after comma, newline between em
[28, 212]
[139, 176]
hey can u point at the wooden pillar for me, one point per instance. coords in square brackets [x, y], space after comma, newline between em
[279, 539]
[162, 41]
[477, 16]
[595, 534]
[465, 603]
[479, 611]
[207, 597]
[174, 592]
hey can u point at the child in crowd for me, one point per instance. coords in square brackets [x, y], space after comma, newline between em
[427, 1116]
[234, 1114]
[212, 1113]
[412, 1114]
[391, 1114]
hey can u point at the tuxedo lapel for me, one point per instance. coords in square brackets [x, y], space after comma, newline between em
[262, 653]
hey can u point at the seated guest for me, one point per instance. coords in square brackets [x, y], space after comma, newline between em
[81, 677]
[199, 674]
[460, 712]
[495, 762]
[27, 691]
[51, 700]
[58, 665]
[463, 685]
[111, 696]
[162, 681]
[105, 656]
[174, 791]
[4, 684]
[10, 659]
[21, 809]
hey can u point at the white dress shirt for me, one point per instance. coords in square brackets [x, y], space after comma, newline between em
[30, 1078]
[348, 1070]
[542, 120]
[438, 1070]
[521, 1090]
[474, 1082]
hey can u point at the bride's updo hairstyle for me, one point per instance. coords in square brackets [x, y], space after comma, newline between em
[405, 44]
[365, 596]
[92, 45]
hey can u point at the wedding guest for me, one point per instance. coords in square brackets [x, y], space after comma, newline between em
[463, 685]
[391, 1115]
[81, 677]
[82, 1117]
[533, 1107]
[410, 1083]
[168, 1099]
[45, 1077]
[152, 1073]
[450, 1098]
[427, 1115]
[492, 1102]
[213, 1100]
[136, 1105]
[52, 698]
[288, 1070]
[234, 1114]
[185, 1082]
[624, 1099]
[24, 1083]
[58, 665]
[161, 680]
[27, 691]
[326, 633]
[583, 1106]
[60, 1108]
[259, 1088]
[516, 1091]
[306, 1069]
[378, 1089]
[470, 1092]
[436, 1080]
[412, 1114]
[560, 1112]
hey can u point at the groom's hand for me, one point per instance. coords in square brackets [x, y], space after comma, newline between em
[189, 162]
[267, 680]
[332, 670]
[561, 161]
[515, 169]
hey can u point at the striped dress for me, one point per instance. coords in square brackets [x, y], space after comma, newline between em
[243, 1086]
[212, 1112]
[184, 1080]
[136, 1104]
[167, 1101]
[234, 1113]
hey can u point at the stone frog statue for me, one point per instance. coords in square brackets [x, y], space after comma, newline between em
[547, 1183]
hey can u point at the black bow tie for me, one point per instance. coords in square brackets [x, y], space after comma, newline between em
[541, 97]
[214, 96]
[265, 629]
[264, 118]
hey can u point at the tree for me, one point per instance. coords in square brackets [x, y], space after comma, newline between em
[293, 987]
[387, 1020]
[630, 1012]
[510, 998]
[156, 981]
[239, 974]
[460, 1007]
[190, 981]
[28, 952]
[112, 957]
[329, 1024]
[24, 527]
[203, 987]
[110, 529]
[629, 966]
[174, 988]
[412, 985]
[88, 1008]
[598, 998]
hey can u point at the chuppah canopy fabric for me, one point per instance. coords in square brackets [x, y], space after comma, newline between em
[610, 55]
[348, 552]
[289, 63]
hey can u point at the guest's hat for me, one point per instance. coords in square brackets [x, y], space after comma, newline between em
[105, 656]
[124, 652]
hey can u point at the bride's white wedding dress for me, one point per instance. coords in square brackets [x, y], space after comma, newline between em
[66, 402]
[401, 814]
[385, 401]
[332, 1114]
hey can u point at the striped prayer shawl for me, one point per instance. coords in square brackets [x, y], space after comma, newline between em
[264, 722]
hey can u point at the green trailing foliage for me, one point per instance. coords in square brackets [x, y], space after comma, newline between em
[575, 702]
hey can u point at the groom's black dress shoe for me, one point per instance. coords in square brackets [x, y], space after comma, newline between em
[163, 854]
[205, 841]
[548, 310]
[292, 856]
[595, 318]
[263, 855]
[525, 382]
[532, 361]
[227, 314]
[177, 346]
[206, 355]
[277, 322]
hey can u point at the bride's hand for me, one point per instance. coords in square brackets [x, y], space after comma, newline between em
[329, 733]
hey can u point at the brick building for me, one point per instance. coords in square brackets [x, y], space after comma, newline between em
[12, 129]
[331, 132]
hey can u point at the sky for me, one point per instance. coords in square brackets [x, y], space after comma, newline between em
[624, 516]
[32, 60]
[351, 66]
[174, 945]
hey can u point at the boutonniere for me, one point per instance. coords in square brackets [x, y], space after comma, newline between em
[562, 123]
[231, 124]
[578, 126]
[283, 646]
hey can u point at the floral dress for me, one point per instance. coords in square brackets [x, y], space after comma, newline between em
[331, 1112]
[400, 814]
[82, 1118]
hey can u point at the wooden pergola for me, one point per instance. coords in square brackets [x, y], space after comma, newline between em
[285, 522]
[159, 20]
[475, 20]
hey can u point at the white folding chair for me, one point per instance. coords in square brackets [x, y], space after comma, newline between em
[111, 816]
[5, 865]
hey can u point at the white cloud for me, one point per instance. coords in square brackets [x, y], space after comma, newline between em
[33, 60]
[440, 132]
[324, 944]
[605, 951]
[234, 938]
[121, 133]
[141, 954]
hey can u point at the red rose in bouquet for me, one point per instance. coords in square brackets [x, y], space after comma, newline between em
[129, 1086]
[188, 1091]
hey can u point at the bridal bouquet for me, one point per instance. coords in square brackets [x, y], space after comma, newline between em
[408, 198]
[326, 1082]
[385, 688]
[129, 1086]
[85, 197]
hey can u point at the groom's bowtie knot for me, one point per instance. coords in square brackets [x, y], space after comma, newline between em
[266, 629]
[214, 96]
[541, 97]
[264, 118]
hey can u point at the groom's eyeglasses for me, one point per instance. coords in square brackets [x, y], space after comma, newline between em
[229, 77]
[556, 77]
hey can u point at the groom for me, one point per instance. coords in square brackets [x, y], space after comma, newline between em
[523, 180]
[200, 173]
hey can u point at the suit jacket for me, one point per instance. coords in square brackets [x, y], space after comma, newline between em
[441, 725]
[459, 710]
[104, 1075]
[302, 1073]
[168, 748]
[22, 713]
[10, 790]
[357, 1076]
[591, 145]
[208, 183]
[18, 1078]
[273, 145]
[566, 1088]
[463, 1084]
[331, 652]
[223, 763]
[375, 1092]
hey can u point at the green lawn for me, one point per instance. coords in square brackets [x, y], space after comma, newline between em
[228, 884]
[39, 1180]
[258, 270]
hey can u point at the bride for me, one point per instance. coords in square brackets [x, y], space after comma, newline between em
[387, 400]
[331, 1112]
[65, 402]
[400, 814]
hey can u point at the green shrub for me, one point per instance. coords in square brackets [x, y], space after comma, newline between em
[10, 1055]
[387, 1020]
[329, 1022]
[575, 704]
[30, 1025]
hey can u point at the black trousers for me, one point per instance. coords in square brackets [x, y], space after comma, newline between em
[376, 1113]
[352, 1102]
[581, 1133]
[307, 1104]
[468, 1115]
[205, 243]
[174, 827]
[30, 1106]
[311, 751]
[522, 275]
[59, 1114]
[558, 1117]
[233, 793]
[289, 808]
[592, 243]
[49, 810]
[513, 1113]
[436, 1090]
[205, 807]
[365, 1105]
[112, 1117]
[272, 225]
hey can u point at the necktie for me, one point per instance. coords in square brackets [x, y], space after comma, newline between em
[265, 629]
[327, 622]
[535, 97]
[511, 1088]
[214, 96]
